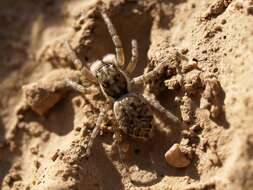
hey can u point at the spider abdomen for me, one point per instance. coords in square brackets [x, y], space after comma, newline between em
[134, 116]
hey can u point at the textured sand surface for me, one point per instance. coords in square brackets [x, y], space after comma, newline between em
[207, 83]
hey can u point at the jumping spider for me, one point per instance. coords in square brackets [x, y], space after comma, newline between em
[131, 110]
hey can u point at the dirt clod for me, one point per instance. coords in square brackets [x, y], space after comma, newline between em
[45, 93]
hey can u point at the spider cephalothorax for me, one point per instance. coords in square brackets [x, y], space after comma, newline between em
[112, 80]
[132, 111]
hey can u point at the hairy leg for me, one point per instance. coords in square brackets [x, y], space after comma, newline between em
[156, 104]
[79, 88]
[78, 63]
[95, 131]
[149, 75]
[117, 140]
[120, 57]
[134, 60]
[110, 58]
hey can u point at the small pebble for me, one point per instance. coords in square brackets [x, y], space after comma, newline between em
[223, 21]
[55, 155]
[184, 51]
[176, 158]
[37, 164]
[250, 10]
[34, 150]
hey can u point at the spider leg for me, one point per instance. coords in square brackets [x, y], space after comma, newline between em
[121, 157]
[78, 63]
[110, 58]
[156, 104]
[79, 88]
[147, 76]
[134, 60]
[120, 57]
[95, 131]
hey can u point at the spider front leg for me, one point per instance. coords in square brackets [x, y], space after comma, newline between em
[156, 104]
[120, 57]
[110, 58]
[78, 63]
[134, 60]
[79, 88]
[95, 131]
[149, 75]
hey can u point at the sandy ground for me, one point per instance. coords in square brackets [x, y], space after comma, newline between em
[207, 82]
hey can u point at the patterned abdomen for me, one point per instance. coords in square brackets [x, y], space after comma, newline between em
[134, 116]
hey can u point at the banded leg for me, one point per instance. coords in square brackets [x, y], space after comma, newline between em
[79, 88]
[117, 142]
[134, 60]
[78, 63]
[95, 131]
[120, 57]
[110, 58]
[156, 104]
[149, 75]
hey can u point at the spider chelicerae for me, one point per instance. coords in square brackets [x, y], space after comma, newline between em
[132, 111]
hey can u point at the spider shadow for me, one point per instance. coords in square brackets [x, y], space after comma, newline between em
[108, 174]
[149, 157]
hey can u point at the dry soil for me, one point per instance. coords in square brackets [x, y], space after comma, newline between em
[207, 82]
